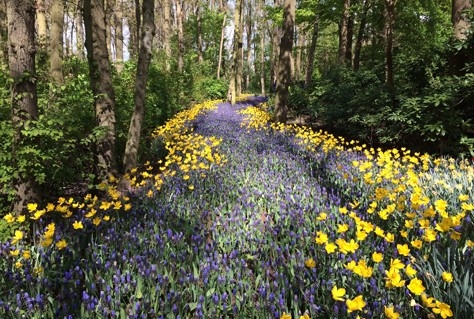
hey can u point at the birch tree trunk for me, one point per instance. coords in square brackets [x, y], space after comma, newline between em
[284, 63]
[101, 82]
[21, 63]
[144, 58]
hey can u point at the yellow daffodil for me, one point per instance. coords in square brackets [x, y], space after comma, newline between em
[416, 286]
[77, 225]
[17, 237]
[447, 277]
[338, 293]
[61, 244]
[390, 313]
[310, 263]
[444, 310]
[355, 304]
[285, 316]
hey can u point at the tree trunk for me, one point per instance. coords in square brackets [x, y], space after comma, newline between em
[299, 54]
[360, 34]
[221, 45]
[262, 47]
[389, 26]
[232, 93]
[249, 45]
[459, 18]
[42, 30]
[101, 82]
[343, 31]
[118, 21]
[144, 58]
[80, 30]
[180, 21]
[167, 32]
[56, 42]
[21, 63]
[350, 33]
[240, 54]
[311, 53]
[3, 32]
[199, 32]
[138, 20]
[284, 63]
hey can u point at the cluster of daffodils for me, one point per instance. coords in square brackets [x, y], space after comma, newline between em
[409, 206]
[186, 152]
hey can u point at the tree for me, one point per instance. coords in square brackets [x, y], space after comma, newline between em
[461, 23]
[80, 30]
[389, 14]
[237, 45]
[56, 42]
[360, 33]
[144, 58]
[118, 27]
[284, 62]
[222, 8]
[166, 32]
[312, 51]
[180, 21]
[21, 62]
[344, 32]
[101, 82]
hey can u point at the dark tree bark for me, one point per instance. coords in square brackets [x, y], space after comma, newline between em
[389, 13]
[144, 58]
[360, 34]
[3, 31]
[284, 63]
[343, 31]
[21, 63]
[311, 53]
[101, 82]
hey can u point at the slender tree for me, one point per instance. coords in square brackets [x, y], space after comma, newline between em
[199, 42]
[3, 31]
[180, 27]
[21, 63]
[167, 32]
[41, 23]
[144, 58]
[237, 46]
[311, 52]
[56, 41]
[223, 9]
[101, 82]
[118, 26]
[389, 14]
[343, 31]
[262, 46]
[360, 33]
[79, 30]
[284, 63]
